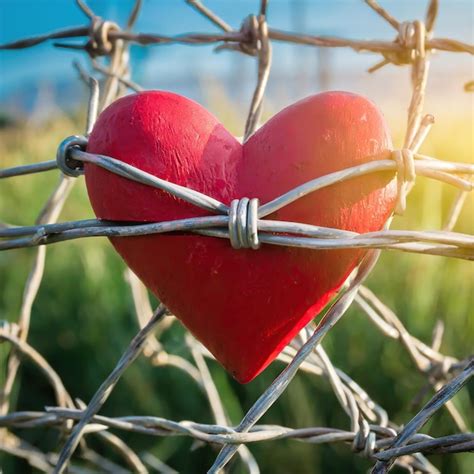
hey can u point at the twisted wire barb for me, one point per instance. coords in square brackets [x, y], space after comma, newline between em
[220, 434]
[437, 243]
[371, 433]
[235, 37]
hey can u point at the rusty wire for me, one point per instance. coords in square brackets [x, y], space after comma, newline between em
[371, 433]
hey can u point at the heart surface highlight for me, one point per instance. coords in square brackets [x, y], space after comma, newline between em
[243, 305]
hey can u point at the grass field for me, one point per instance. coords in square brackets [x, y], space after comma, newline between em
[83, 319]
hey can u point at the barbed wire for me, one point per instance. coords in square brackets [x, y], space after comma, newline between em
[371, 432]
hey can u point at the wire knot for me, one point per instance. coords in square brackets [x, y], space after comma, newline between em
[406, 176]
[411, 37]
[68, 165]
[255, 32]
[100, 43]
[364, 440]
[243, 216]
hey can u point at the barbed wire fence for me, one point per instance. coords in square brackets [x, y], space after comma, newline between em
[371, 433]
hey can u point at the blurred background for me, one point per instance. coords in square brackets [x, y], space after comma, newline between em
[83, 317]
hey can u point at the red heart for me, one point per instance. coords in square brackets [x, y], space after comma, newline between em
[243, 305]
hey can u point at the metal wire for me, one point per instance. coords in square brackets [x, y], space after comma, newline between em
[371, 432]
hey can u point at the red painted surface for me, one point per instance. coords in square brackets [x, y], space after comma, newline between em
[243, 305]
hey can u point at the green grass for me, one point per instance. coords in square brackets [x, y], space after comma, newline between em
[83, 319]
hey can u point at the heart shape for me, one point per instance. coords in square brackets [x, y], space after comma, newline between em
[243, 305]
